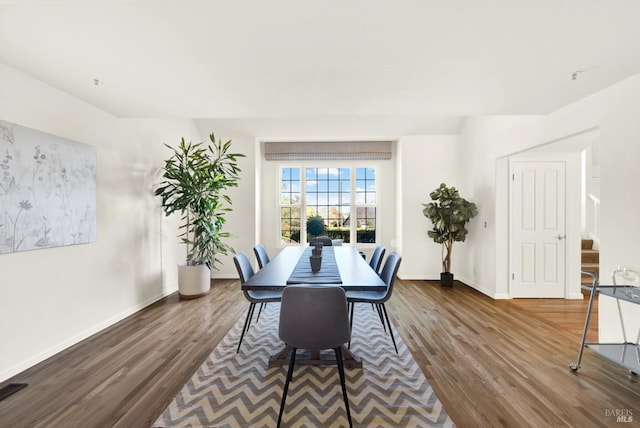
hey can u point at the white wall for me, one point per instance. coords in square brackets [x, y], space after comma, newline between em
[241, 222]
[479, 174]
[145, 139]
[53, 298]
[612, 111]
[420, 164]
[620, 201]
[425, 162]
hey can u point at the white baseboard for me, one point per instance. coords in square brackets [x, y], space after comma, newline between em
[419, 277]
[501, 296]
[576, 296]
[224, 276]
[497, 296]
[30, 362]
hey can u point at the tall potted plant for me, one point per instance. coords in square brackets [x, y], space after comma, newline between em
[194, 179]
[449, 214]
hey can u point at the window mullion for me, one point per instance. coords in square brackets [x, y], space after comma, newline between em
[353, 224]
[303, 205]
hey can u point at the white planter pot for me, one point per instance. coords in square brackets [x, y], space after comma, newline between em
[193, 281]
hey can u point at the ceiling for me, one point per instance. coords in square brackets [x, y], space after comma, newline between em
[421, 65]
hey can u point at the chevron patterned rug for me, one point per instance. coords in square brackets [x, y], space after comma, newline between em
[239, 390]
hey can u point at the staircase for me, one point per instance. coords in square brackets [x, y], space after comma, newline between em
[590, 260]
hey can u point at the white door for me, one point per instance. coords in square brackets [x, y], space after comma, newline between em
[537, 229]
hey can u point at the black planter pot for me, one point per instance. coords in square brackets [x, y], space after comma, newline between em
[446, 279]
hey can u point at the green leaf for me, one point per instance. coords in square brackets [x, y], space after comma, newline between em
[449, 215]
[195, 177]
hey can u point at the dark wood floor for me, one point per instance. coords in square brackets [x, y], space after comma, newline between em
[491, 363]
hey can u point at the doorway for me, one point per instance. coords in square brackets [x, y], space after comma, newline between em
[538, 229]
[568, 150]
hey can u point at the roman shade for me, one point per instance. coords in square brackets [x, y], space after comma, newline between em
[329, 150]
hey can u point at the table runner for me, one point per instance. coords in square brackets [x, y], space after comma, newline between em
[328, 273]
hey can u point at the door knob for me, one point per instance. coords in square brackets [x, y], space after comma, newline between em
[561, 236]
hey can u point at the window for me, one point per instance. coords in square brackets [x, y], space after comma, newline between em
[366, 204]
[328, 195]
[290, 205]
[345, 199]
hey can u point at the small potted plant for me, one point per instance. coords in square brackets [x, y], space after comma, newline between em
[449, 214]
[194, 179]
[315, 226]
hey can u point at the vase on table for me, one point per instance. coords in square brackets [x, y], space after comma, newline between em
[317, 250]
[316, 262]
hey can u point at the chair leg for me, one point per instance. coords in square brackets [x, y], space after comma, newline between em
[338, 352]
[353, 304]
[253, 309]
[262, 305]
[384, 309]
[292, 362]
[246, 324]
[384, 326]
[350, 308]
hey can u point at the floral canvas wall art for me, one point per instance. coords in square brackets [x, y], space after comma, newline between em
[47, 190]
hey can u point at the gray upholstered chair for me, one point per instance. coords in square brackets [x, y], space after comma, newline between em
[378, 298]
[261, 255]
[314, 317]
[376, 258]
[263, 259]
[326, 241]
[243, 265]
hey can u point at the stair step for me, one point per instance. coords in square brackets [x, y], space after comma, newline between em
[587, 244]
[590, 256]
[590, 261]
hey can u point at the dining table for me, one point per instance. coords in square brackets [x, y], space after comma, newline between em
[342, 266]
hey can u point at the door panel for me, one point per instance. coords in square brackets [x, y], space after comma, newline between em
[537, 229]
[528, 263]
